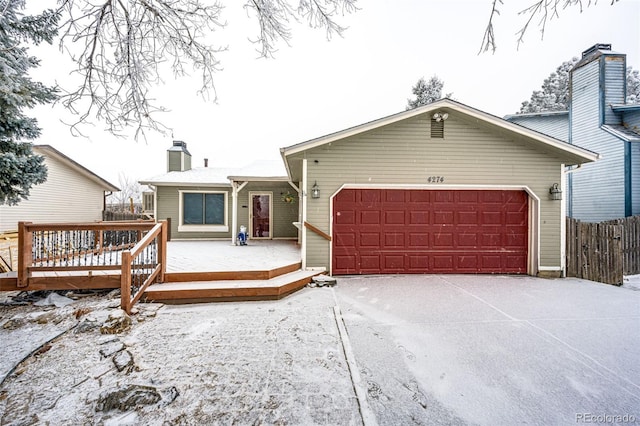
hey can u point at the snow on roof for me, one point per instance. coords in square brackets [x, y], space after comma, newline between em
[622, 133]
[261, 169]
[258, 170]
[195, 176]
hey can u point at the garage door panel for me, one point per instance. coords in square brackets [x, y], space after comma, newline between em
[430, 231]
[345, 240]
[369, 196]
[346, 262]
[370, 217]
[394, 239]
[394, 217]
[345, 217]
[393, 262]
[419, 239]
[370, 262]
[516, 218]
[467, 240]
[467, 218]
[443, 217]
[420, 217]
[442, 240]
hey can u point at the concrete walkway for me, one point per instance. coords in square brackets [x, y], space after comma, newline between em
[495, 350]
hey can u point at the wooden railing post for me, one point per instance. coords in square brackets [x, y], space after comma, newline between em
[162, 249]
[25, 254]
[125, 282]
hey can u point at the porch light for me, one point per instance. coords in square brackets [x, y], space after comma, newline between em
[315, 191]
[555, 193]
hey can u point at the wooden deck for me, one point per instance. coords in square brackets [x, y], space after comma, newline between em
[198, 272]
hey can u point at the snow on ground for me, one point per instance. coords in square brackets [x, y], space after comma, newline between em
[279, 362]
[234, 363]
[632, 282]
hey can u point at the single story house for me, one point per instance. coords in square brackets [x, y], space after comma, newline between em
[71, 193]
[599, 119]
[443, 188]
[212, 203]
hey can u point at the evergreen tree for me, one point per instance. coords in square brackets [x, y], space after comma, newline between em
[554, 94]
[20, 169]
[426, 92]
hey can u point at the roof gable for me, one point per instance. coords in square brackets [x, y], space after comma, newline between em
[573, 153]
[51, 151]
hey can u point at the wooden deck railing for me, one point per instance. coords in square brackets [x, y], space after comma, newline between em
[135, 249]
[142, 265]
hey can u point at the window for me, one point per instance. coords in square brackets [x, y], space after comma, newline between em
[203, 212]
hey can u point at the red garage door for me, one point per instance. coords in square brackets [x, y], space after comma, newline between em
[393, 231]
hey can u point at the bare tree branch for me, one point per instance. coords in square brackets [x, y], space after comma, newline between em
[545, 9]
[123, 48]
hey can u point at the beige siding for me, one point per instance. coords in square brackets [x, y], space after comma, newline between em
[404, 153]
[66, 196]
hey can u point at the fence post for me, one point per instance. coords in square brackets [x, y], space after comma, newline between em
[125, 282]
[25, 254]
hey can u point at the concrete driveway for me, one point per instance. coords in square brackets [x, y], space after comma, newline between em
[494, 350]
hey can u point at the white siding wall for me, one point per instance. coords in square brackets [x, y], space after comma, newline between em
[404, 153]
[66, 196]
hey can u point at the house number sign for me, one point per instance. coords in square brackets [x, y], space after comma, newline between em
[435, 179]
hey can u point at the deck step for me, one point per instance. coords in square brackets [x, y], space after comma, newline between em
[230, 290]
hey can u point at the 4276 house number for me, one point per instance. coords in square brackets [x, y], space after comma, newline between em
[435, 179]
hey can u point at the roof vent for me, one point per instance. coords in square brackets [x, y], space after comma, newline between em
[595, 48]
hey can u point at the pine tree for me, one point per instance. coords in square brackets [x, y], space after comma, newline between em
[426, 92]
[20, 169]
[554, 94]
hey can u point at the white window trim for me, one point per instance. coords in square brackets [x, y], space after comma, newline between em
[203, 228]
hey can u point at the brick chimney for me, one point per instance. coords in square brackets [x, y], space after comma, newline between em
[178, 158]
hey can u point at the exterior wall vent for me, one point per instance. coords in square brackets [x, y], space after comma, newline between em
[437, 128]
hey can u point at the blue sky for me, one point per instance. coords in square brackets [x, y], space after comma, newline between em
[314, 86]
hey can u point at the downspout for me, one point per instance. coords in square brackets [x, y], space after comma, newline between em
[303, 197]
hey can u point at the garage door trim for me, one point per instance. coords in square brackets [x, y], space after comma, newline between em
[533, 249]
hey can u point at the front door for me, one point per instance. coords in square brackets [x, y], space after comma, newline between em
[260, 215]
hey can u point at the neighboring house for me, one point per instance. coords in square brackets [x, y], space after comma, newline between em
[71, 193]
[443, 188]
[599, 120]
[212, 203]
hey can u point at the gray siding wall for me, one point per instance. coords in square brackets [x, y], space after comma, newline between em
[404, 153]
[168, 207]
[597, 188]
[632, 121]
[556, 126]
[614, 86]
[284, 214]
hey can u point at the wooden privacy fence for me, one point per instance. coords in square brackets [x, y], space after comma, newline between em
[129, 255]
[604, 251]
